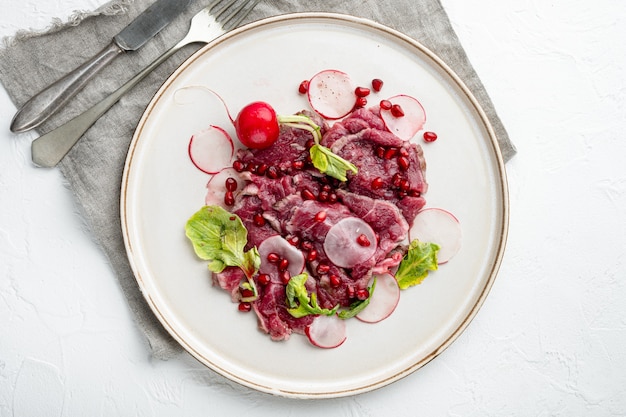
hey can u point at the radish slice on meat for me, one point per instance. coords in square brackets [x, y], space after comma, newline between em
[216, 187]
[211, 149]
[326, 331]
[383, 301]
[350, 242]
[405, 127]
[438, 226]
[278, 245]
[331, 94]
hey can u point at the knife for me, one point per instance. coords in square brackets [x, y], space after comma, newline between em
[44, 104]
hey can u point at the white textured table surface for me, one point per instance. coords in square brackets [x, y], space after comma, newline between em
[549, 341]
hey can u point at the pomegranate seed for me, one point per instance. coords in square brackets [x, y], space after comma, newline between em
[396, 179]
[363, 240]
[323, 196]
[273, 257]
[244, 307]
[351, 292]
[326, 188]
[335, 281]
[362, 91]
[430, 136]
[414, 193]
[272, 172]
[390, 153]
[283, 264]
[232, 218]
[297, 165]
[306, 245]
[404, 185]
[361, 102]
[252, 167]
[404, 152]
[229, 198]
[238, 166]
[307, 194]
[309, 143]
[311, 256]
[285, 277]
[396, 110]
[323, 269]
[380, 152]
[258, 220]
[262, 169]
[377, 84]
[245, 292]
[320, 216]
[303, 87]
[293, 240]
[332, 198]
[385, 104]
[377, 183]
[362, 294]
[263, 279]
[403, 163]
[230, 184]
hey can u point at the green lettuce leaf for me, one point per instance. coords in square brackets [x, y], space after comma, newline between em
[330, 164]
[220, 238]
[419, 259]
[299, 301]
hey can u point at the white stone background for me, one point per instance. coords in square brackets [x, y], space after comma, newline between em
[549, 341]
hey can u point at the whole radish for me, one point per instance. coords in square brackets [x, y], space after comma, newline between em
[257, 125]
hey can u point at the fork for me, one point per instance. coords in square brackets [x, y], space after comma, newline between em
[49, 149]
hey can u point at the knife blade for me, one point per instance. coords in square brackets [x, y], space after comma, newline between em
[143, 28]
[149, 23]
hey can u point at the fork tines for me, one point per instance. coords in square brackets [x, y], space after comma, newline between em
[231, 12]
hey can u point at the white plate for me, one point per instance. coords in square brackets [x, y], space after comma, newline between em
[266, 61]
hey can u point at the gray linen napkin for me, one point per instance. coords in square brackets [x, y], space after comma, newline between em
[30, 61]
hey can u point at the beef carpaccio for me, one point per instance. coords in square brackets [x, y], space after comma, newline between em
[320, 216]
[281, 193]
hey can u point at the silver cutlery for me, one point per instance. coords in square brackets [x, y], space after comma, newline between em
[145, 26]
[49, 149]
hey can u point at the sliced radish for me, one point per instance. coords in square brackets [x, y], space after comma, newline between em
[438, 226]
[350, 242]
[383, 301]
[211, 150]
[406, 126]
[278, 245]
[326, 331]
[331, 94]
[216, 187]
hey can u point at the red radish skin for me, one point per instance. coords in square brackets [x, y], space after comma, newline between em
[331, 94]
[257, 125]
[438, 226]
[406, 126]
[211, 150]
[216, 187]
[278, 245]
[384, 300]
[342, 246]
[326, 332]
